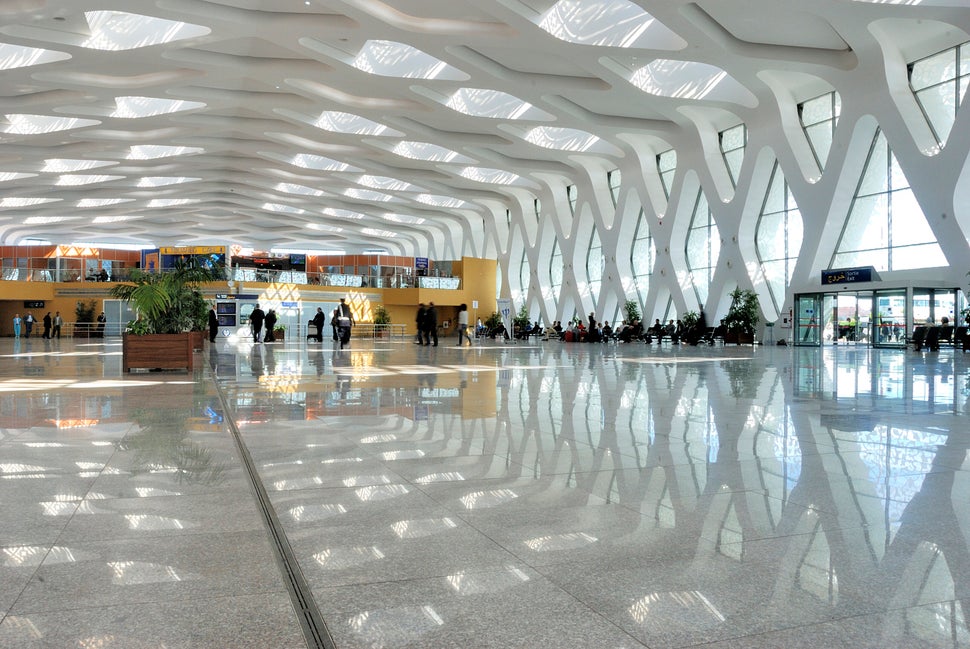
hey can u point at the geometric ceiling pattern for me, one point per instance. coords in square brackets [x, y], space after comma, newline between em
[411, 126]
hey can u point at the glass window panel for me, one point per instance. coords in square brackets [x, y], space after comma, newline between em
[928, 255]
[817, 110]
[733, 138]
[777, 281]
[795, 233]
[897, 178]
[964, 59]
[934, 69]
[734, 160]
[775, 200]
[874, 180]
[702, 282]
[868, 224]
[909, 225]
[838, 106]
[879, 259]
[962, 89]
[938, 105]
[667, 161]
[820, 137]
[771, 236]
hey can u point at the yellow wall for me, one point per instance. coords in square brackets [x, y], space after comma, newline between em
[478, 283]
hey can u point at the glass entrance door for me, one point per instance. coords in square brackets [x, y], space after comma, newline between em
[889, 319]
[807, 317]
[851, 315]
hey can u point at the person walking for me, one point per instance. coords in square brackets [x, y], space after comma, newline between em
[213, 324]
[17, 321]
[419, 323]
[29, 321]
[431, 324]
[256, 321]
[345, 321]
[48, 323]
[270, 336]
[463, 324]
[58, 323]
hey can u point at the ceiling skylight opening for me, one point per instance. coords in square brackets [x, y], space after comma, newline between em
[155, 151]
[385, 234]
[64, 165]
[342, 214]
[481, 102]
[323, 227]
[136, 107]
[608, 23]
[440, 201]
[690, 80]
[561, 139]
[115, 245]
[392, 59]
[117, 219]
[404, 219]
[14, 175]
[338, 122]
[102, 202]
[428, 152]
[494, 176]
[73, 180]
[162, 181]
[39, 124]
[367, 195]
[281, 208]
[114, 31]
[46, 220]
[310, 161]
[20, 56]
[387, 184]
[171, 202]
[291, 188]
[10, 201]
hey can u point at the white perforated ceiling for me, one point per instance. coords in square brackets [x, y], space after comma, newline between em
[321, 124]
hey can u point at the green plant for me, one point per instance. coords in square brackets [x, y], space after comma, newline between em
[168, 302]
[493, 321]
[631, 309]
[690, 319]
[381, 315]
[279, 329]
[521, 320]
[744, 313]
[84, 311]
[137, 327]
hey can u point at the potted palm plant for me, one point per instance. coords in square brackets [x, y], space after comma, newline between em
[169, 306]
[382, 318]
[742, 317]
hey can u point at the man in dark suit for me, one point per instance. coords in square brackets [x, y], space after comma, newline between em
[213, 324]
[256, 320]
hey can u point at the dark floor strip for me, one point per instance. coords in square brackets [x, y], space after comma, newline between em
[314, 627]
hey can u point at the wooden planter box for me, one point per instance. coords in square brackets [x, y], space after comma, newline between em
[157, 351]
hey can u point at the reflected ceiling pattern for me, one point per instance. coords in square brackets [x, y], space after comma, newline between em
[626, 495]
[199, 113]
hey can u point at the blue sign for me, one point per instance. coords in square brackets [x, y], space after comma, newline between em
[421, 263]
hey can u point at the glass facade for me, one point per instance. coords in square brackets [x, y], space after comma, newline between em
[778, 236]
[642, 257]
[940, 83]
[733, 141]
[819, 117]
[703, 247]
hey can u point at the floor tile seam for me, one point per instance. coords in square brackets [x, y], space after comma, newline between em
[312, 625]
[204, 597]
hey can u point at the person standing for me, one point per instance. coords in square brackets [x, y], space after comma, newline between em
[17, 321]
[463, 324]
[102, 319]
[431, 324]
[270, 336]
[213, 324]
[58, 323]
[318, 321]
[48, 323]
[256, 321]
[345, 320]
[29, 323]
[419, 323]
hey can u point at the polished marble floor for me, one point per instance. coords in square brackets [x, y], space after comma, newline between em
[541, 495]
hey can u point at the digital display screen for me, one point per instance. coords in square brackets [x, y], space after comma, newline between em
[226, 307]
[227, 320]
